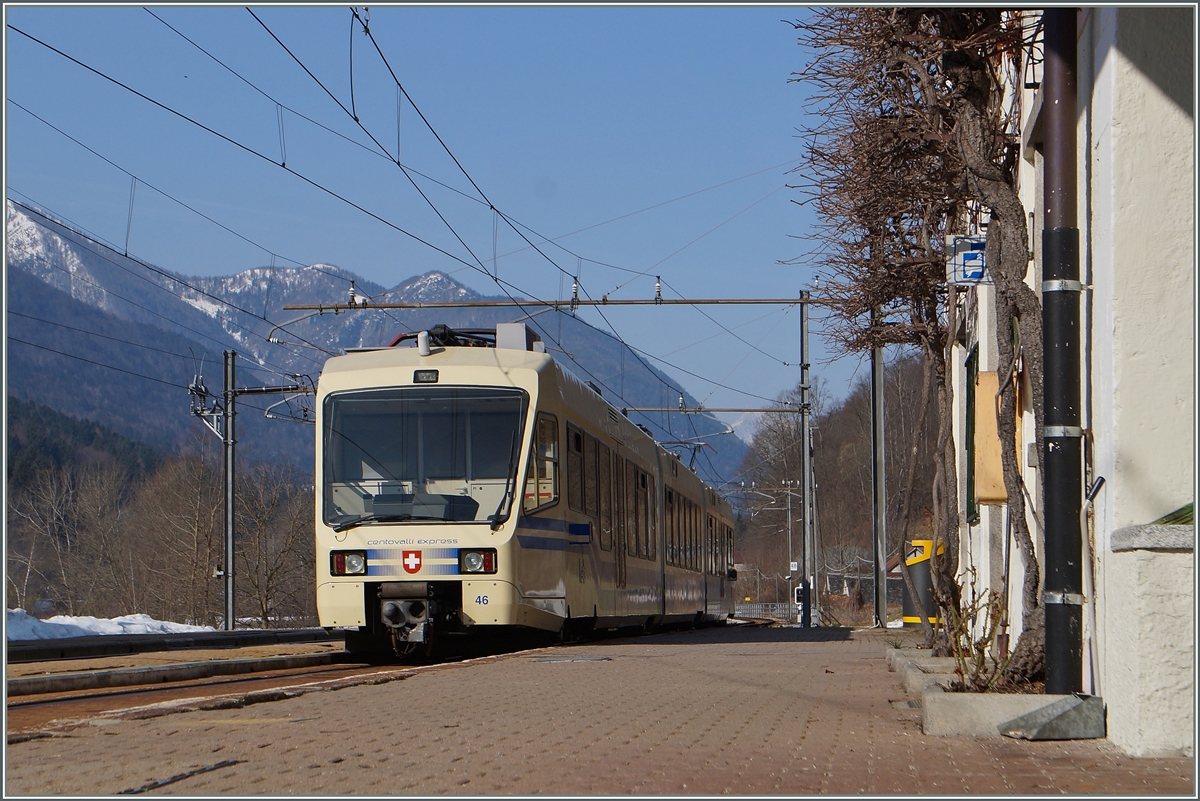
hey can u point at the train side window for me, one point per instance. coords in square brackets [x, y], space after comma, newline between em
[653, 512]
[541, 489]
[604, 484]
[710, 550]
[643, 517]
[574, 468]
[694, 540]
[689, 523]
[728, 547]
[631, 528]
[618, 493]
[590, 493]
[669, 518]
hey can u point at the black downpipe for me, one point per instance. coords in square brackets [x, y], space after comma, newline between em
[1062, 453]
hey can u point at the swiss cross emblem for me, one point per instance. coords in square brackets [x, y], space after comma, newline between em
[412, 561]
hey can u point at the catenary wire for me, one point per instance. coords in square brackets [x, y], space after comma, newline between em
[481, 267]
[76, 277]
[164, 273]
[250, 366]
[242, 403]
[337, 196]
[97, 334]
[388, 157]
[315, 267]
[239, 145]
[98, 364]
[255, 153]
[358, 122]
[515, 228]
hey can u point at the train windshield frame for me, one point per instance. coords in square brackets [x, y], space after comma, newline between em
[436, 454]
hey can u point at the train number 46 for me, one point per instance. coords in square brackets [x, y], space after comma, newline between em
[482, 600]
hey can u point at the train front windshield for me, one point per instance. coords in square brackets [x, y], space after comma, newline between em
[422, 454]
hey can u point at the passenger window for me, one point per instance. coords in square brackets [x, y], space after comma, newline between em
[604, 483]
[541, 488]
[694, 536]
[574, 468]
[652, 516]
[709, 547]
[618, 493]
[643, 515]
[728, 547]
[669, 516]
[631, 527]
[590, 490]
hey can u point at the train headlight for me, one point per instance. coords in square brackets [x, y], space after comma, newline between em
[477, 560]
[347, 563]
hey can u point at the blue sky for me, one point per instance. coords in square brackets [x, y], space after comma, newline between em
[565, 117]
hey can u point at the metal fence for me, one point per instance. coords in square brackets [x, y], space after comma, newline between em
[785, 612]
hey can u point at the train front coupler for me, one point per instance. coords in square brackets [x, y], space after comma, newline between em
[405, 609]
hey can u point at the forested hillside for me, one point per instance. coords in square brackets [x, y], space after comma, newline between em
[41, 439]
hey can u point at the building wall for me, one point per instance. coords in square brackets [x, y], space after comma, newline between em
[1139, 350]
[1136, 139]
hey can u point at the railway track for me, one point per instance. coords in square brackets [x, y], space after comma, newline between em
[52, 701]
[48, 713]
[74, 689]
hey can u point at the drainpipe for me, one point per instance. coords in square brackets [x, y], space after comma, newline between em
[1062, 452]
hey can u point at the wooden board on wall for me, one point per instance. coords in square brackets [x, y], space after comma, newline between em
[989, 472]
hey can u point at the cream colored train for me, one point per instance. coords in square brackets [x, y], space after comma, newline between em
[471, 483]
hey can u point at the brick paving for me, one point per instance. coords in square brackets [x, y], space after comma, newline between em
[742, 711]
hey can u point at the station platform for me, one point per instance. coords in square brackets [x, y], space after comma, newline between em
[732, 710]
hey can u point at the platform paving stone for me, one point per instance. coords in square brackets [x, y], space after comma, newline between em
[716, 711]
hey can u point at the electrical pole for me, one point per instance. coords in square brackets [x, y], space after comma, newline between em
[220, 417]
[791, 573]
[230, 397]
[880, 479]
[811, 615]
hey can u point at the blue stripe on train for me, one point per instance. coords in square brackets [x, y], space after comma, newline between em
[541, 543]
[396, 554]
[552, 524]
[531, 542]
[393, 571]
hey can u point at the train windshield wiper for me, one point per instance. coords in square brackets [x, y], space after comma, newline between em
[497, 518]
[373, 518]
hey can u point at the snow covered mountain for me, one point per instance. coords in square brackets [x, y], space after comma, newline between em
[97, 335]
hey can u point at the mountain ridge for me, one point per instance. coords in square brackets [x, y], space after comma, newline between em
[120, 306]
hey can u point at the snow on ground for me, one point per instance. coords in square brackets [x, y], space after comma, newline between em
[23, 626]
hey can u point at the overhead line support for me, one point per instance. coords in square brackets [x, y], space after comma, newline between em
[220, 416]
[555, 304]
[705, 409]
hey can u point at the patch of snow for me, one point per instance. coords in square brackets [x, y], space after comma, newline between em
[20, 625]
[895, 624]
[201, 303]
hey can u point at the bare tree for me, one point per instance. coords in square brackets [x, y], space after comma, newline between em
[915, 139]
[275, 546]
[177, 535]
[842, 469]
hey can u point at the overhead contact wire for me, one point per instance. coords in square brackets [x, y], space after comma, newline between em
[240, 146]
